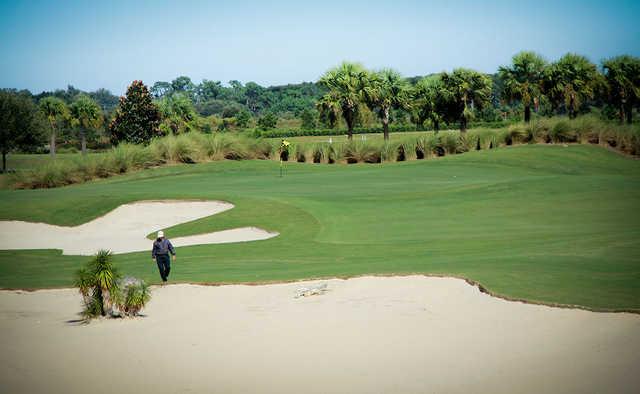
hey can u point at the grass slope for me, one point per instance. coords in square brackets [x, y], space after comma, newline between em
[544, 223]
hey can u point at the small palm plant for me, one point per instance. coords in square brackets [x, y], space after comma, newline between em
[102, 290]
[96, 282]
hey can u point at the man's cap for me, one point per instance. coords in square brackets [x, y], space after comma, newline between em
[160, 234]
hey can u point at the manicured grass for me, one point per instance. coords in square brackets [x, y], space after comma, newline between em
[543, 222]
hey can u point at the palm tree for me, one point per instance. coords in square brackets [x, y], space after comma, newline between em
[523, 79]
[86, 115]
[55, 110]
[465, 90]
[329, 108]
[382, 91]
[345, 83]
[571, 81]
[622, 74]
[428, 101]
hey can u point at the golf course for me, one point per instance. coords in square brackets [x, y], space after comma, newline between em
[554, 224]
[320, 197]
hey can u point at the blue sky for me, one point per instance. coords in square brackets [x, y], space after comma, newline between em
[46, 45]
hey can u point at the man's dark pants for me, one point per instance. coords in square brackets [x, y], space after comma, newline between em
[164, 265]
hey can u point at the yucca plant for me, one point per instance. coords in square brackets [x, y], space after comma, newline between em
[96, 282]
[104, 293]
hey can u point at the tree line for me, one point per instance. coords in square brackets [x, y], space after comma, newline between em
[348, 93]
[570, 85]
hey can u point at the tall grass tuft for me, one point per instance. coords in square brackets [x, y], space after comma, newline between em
[127, 157]
[361, 152]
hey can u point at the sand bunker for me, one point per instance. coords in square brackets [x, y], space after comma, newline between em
[124, 229]
[366, 335]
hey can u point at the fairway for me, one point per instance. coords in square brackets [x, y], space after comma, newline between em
[553, 224]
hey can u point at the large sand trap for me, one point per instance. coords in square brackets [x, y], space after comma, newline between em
[125, 229]
[367, 335]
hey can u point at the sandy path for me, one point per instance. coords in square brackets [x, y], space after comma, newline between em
[124, 229]
[366, 335]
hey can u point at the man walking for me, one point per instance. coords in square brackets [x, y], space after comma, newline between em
[160, 253]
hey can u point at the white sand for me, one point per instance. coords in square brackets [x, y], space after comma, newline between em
[366, 335]
[125, 229]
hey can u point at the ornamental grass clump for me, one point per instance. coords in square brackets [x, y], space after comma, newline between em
[299, 152]
[467, 142]
[421, 152]
[130, 296]
[406, 149]
[517, 134]
[262, 149]
[103, 291]
[237, 148]
[318, 153]
[388, 152]
[184, 149]
[49, 175]
[361, 152]
[432, 145]
[127, 157]
[563, 131]
[449, 141]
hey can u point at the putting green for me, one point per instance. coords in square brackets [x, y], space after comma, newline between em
[543, 223]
